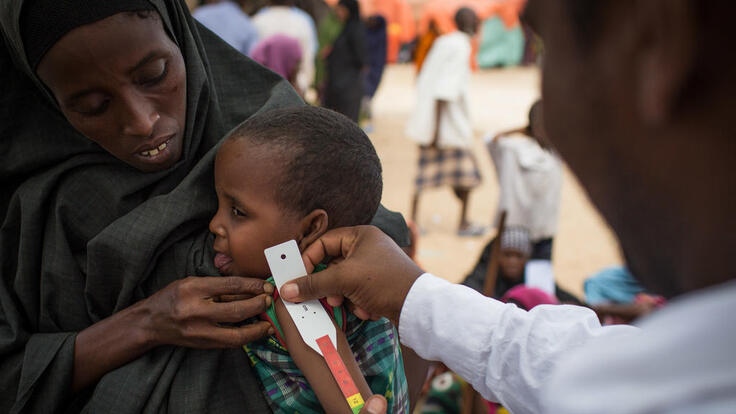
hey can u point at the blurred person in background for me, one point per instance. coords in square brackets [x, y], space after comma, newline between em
[228, 20]
[282, 54]
[376, 44]
[283, 17]
[441, 124]
[346, 62]
[530, 180]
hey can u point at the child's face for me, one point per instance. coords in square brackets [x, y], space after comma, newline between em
[511, 263]
[248, 219]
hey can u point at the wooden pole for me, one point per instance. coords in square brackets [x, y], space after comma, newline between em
[489, 287]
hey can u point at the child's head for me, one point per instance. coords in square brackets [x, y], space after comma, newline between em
[290, 174]
[515, 251]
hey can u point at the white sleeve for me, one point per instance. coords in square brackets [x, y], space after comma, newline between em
[506, 353]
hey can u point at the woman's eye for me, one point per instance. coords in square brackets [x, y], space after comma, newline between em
[237, 212]
[155, 75]
[94, 109]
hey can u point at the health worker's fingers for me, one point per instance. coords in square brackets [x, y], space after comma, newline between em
[334, 243]
[376, 274]
[376, 404]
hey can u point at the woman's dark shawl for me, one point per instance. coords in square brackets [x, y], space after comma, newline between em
[83, 235]
[344, 89]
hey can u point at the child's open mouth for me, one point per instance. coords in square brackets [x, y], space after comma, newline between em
[222, 261]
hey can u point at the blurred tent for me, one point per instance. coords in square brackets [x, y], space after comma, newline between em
[501, 41]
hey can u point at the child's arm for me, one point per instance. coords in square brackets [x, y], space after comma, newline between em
[315, 368]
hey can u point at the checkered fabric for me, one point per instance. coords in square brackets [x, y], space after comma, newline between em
[455, 167]
[375, 345]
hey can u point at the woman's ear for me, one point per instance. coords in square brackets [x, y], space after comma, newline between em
[313, 225]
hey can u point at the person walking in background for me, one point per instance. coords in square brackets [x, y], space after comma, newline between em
[530, 180]
[282, 54]
[282, 17]
[346, 62]
[441, 123]
[376, 44]
[228, 20]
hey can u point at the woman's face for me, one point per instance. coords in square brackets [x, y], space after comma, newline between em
[122, 83]
[342, 13]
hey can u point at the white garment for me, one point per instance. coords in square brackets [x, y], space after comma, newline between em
[530, 181]
[559, 359]
[445, 76]
[289, 21]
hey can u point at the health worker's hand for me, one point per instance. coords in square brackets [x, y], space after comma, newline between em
[369, 269]
[190, 312]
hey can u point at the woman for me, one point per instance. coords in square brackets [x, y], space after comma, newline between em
[346, 62]
[282, 54]
[109, 115]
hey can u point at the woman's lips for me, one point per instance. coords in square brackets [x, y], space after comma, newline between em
[221, 261]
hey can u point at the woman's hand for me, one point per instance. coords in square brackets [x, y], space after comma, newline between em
[190, 312]
[375, 275]
[187, 312]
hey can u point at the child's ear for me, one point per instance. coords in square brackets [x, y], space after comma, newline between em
[313, 226]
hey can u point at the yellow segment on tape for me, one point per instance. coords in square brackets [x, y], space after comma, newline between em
[355, 400]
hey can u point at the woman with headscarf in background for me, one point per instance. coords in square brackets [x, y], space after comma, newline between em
[346, 62]
[109, 120]
[376, 45]
[282, 54]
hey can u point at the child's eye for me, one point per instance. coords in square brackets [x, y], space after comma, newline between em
[237, 212]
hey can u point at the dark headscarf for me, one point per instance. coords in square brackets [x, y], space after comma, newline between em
[85, 235]
[376, 45]
[353, 7]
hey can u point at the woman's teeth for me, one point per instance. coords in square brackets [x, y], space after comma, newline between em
[155, 151]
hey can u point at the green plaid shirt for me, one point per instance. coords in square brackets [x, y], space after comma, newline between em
[375, 345]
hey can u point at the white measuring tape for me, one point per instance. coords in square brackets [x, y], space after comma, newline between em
[311, 319]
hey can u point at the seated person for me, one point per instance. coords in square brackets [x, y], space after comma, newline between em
[516, 250]
[294, 174]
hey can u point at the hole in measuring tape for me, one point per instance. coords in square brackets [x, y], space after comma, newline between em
[283, 256]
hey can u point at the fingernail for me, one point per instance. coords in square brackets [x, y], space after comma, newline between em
[271, 331]
[290, 291]
[268, 288]
[374, 406]
[268, 301]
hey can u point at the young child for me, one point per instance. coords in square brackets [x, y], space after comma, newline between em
[294, 174]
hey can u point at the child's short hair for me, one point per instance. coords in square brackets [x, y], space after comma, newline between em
[329, 162]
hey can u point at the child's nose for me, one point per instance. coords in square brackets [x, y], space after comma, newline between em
[215, 226]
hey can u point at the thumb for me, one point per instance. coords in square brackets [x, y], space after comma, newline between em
[376, 404]
[313, 286]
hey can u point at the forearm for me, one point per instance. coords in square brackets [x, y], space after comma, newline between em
[506, 353]
[315, 369]
[109, 344]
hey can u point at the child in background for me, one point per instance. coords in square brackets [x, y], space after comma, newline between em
[294, 174]
[530, 181]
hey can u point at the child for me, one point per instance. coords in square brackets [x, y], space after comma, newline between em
[294, 174]
[530, 181]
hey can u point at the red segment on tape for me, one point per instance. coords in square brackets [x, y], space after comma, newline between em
[337, 366]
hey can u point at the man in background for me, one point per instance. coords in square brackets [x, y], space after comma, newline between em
[228, 20]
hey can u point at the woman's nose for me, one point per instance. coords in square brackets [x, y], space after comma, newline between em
[141, 119]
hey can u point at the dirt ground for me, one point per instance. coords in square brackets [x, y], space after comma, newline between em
[500, 99]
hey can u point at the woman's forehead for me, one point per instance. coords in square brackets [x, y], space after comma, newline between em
[115, 45]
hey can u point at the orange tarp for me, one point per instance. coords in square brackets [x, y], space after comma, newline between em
[442, 12]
